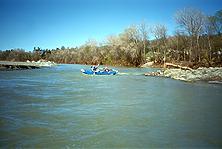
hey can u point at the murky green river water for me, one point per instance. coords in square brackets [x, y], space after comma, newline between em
[61, 108]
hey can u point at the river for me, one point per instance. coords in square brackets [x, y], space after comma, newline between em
[59, 107]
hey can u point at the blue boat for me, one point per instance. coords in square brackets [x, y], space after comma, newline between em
[99, 72]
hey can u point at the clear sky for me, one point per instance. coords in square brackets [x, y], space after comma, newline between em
[55, 23]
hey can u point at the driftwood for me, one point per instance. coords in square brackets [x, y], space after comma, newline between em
[177, 66]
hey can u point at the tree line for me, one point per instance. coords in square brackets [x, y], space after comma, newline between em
[197, 40]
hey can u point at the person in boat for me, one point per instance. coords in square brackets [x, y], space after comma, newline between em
[94, 67]
[106, 69]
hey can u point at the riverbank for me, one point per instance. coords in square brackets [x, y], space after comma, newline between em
[181, 64]
[8, 65]
[186, 72]
[200, 74]
[211, 74]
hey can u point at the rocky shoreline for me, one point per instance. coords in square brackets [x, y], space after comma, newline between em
[42, 63]
[211, 74]
[7, 65]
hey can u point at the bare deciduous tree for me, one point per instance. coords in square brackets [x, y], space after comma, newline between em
[143, 30]
[192, 21]
[160, 33]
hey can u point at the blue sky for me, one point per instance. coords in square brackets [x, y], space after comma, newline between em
[55, 23]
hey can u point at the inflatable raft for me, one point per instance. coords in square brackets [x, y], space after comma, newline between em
[99, 72]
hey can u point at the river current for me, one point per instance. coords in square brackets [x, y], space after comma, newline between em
[59, 107]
